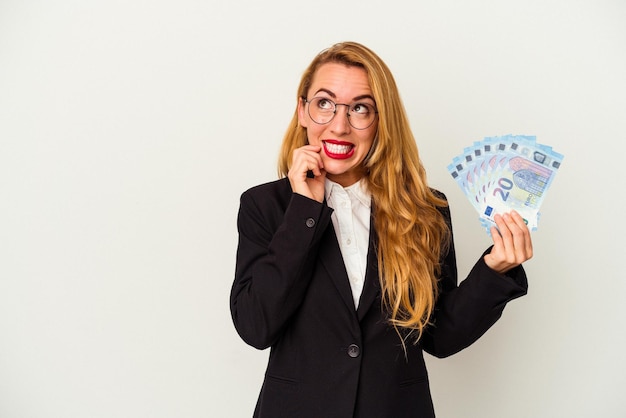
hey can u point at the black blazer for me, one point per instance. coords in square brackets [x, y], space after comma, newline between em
[327, 360]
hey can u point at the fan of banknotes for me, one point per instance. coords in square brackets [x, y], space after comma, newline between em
[508, 172]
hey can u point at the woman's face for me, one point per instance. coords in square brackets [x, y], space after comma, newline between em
[343, 147]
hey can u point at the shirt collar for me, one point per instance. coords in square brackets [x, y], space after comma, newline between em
[357, 190]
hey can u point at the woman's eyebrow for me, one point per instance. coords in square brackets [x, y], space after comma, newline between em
[364, 96]
[330, 93]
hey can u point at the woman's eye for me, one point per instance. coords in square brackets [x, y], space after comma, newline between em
[325, 104]
[361, 108]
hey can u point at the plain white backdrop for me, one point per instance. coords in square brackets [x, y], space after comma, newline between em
[128, 130]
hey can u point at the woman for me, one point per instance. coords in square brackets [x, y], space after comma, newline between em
[346, 266]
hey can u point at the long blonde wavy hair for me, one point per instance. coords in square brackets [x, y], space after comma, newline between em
[412, 232]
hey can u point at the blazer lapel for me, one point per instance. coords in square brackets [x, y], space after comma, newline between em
[371, 287]
[330, 256]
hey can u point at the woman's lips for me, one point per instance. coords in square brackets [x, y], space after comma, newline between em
[339, 150]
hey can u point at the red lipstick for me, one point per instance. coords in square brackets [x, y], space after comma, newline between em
[339, 150]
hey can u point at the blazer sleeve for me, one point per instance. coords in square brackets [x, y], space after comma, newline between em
[277, 249]
[464, 312]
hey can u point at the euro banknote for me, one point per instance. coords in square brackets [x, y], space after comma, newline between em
[503, 173]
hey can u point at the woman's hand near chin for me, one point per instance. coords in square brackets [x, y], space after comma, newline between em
[307, 159]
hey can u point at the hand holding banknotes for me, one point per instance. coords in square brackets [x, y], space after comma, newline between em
[512, 244]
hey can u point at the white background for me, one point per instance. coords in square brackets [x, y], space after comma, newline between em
[129, 128]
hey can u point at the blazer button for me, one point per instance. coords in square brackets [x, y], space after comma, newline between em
[310, 222]
[354, 350]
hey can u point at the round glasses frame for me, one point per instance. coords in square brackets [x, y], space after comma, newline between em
[332, 112]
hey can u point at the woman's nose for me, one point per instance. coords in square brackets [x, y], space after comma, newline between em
[341, 120]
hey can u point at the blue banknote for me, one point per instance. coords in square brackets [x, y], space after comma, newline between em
[502, 173]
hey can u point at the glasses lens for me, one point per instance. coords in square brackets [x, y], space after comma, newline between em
[360, 115]
[321, 110]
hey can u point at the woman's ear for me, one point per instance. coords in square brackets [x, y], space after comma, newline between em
[302, 117]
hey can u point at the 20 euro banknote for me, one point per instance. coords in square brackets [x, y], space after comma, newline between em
[499, 174]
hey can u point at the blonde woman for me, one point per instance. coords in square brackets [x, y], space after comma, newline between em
[346, 265]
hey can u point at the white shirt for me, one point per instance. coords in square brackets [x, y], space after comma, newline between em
[351, 219]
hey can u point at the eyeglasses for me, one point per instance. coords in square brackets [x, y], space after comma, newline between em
[322, 110]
